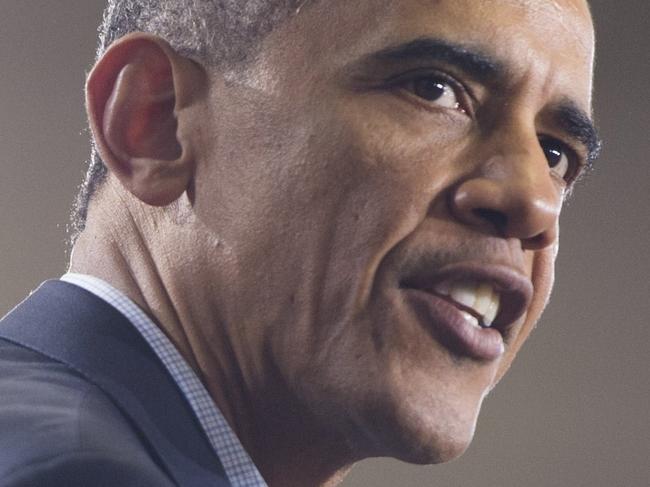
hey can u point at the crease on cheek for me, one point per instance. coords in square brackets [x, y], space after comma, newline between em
[556, 244]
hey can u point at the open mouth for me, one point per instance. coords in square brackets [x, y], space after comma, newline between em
[478, 301]
[472, 307]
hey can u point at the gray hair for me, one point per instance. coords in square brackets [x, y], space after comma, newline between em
[212, 32]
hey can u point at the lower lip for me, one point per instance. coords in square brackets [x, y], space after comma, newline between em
[452, 330]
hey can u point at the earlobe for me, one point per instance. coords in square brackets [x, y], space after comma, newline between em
[134, 96]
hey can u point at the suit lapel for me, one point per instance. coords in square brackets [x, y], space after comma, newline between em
[71, 325]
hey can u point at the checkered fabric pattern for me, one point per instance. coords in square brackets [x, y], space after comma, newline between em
[238, 465]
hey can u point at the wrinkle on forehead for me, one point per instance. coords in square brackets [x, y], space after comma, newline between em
[565, 12]
[547, 6]
[573, 16]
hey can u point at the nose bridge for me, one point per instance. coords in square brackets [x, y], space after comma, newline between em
[513, 157]
[512, 189]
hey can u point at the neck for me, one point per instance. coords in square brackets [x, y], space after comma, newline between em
[288, 448]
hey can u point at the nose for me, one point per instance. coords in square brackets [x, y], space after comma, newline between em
[512, 194]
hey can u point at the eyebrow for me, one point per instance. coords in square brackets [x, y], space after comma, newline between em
[486, 69]
[578, 124]
[475, 63]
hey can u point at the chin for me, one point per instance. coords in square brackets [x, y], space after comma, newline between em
[426, 441]
[440, 449]
[423, 428]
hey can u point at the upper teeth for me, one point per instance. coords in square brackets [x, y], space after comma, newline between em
[480, 297]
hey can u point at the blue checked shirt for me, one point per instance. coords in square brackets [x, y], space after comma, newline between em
[238, 465]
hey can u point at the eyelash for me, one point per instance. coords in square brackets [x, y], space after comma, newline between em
[463, 94]
[577, 164]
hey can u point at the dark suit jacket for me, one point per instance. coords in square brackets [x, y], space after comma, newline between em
[84, 401]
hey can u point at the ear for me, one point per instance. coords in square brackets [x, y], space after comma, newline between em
[135, 95]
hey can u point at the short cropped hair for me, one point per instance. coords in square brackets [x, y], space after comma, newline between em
[211, 32]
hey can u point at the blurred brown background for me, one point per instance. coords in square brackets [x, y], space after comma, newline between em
[573, 411]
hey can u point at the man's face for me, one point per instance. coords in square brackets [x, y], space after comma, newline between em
[382, 182]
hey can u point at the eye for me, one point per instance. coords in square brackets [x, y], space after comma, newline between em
[558, 157]
[435, 90]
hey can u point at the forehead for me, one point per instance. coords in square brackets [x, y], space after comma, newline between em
[571, 17]
[562, 26]
[550, 40]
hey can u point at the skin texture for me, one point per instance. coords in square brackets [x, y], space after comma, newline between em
[266, 218]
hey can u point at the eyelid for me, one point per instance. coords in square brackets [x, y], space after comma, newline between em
[465, 95]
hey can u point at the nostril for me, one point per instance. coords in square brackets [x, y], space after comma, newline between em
[498, 219]
[539, 241]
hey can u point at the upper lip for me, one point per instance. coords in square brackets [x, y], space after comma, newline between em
[514, 287]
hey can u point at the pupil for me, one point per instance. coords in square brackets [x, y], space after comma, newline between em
[554, 155]
[429, 89]
[553, 150]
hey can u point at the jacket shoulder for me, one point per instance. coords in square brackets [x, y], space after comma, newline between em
[58, 428]
[82, 469]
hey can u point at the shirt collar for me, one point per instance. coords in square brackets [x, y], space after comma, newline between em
[236, 462]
